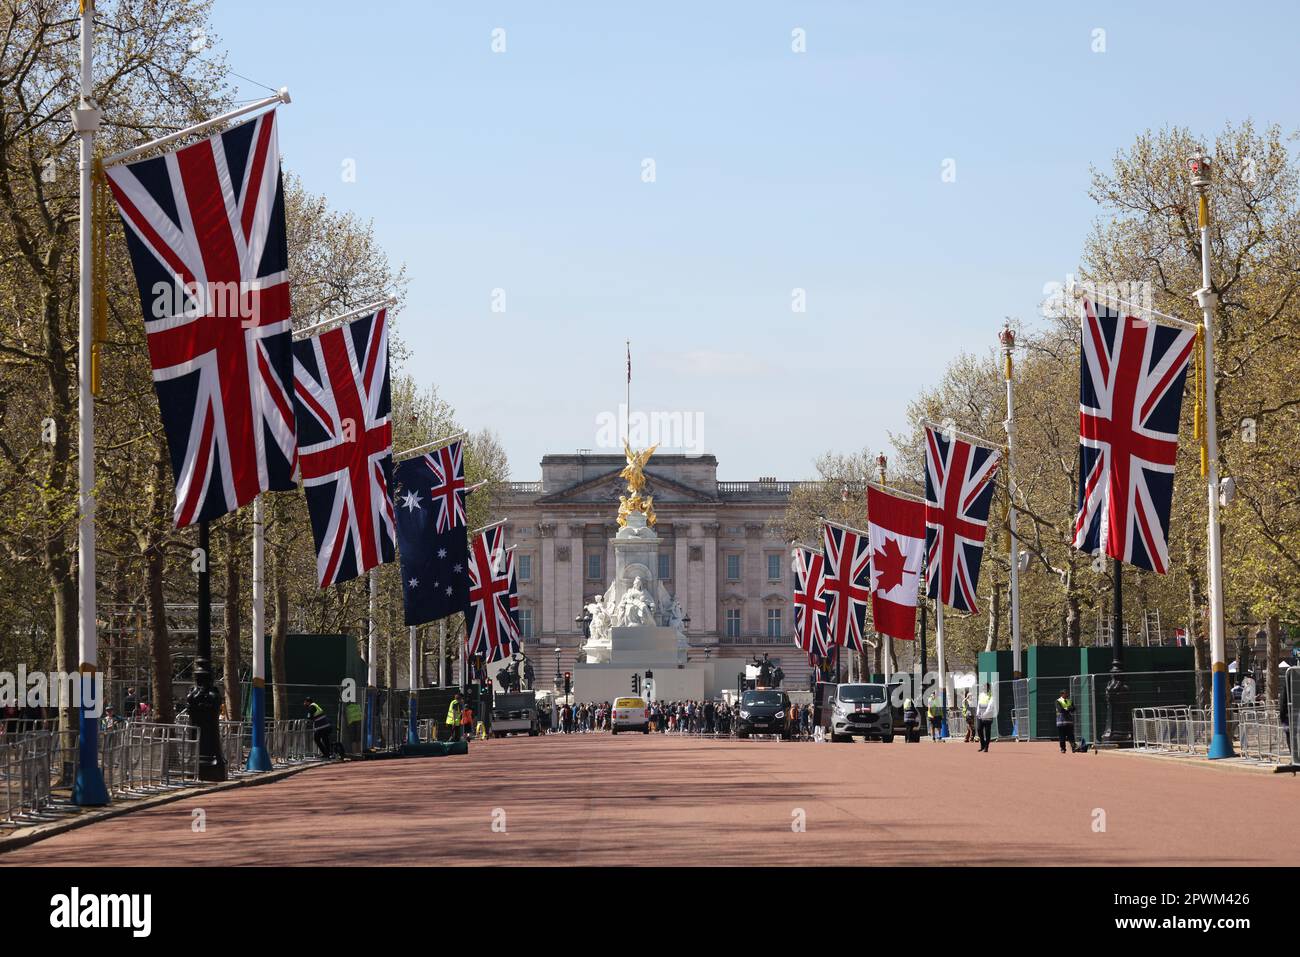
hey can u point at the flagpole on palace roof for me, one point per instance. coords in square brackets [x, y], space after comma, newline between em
[89, 789]
[1220, 743]
[1008, 339]
[627, 422]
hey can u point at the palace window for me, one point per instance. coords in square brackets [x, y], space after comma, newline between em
[526, 623]
[665, 567]
[593, 566]
[733, 622]
[733, 568]
[525, 569]
[774, 567]
[774, 623]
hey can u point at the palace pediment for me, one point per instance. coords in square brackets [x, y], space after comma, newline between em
[606, 488]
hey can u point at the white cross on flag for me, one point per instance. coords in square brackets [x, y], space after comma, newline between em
[896, 528]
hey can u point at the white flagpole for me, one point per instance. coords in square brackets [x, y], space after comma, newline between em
[412, 734]
[1220, 743]
[442, 654]
[258, 759]
[1008, 339]
[116, 158]
[88, 790]
[372, 660]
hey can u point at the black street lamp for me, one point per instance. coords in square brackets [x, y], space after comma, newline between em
[203, 701]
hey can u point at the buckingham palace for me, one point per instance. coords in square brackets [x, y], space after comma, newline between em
[721, 553]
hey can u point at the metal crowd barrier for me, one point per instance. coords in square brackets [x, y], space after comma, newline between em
[26, 772]
[290, 742]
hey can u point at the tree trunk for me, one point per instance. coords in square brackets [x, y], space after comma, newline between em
[151, 539]
[995, 616]
[160, 659]
[1073, 625]
[280, 630]
[1272, 686]
[64, 588]
[234, 698]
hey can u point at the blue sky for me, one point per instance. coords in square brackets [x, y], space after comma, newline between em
[774, 170]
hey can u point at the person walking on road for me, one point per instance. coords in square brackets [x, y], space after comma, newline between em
[936, 717]
[1065, 721]
[321, 726]
[467, 721]
[911, 721]
[453, 718]
[985, 711]
[968, 713]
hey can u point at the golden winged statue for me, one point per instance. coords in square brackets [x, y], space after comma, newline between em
[634, 474]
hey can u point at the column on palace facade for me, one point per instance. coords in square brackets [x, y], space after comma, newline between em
[611, 529]
[754, 573]
[682, 572]
[710, 530]
[576, 600]
[549, 591]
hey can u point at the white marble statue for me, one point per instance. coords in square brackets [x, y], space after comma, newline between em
[637, 607]
[677, 616]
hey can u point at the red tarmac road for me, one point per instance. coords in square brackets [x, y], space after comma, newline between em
[631, 799]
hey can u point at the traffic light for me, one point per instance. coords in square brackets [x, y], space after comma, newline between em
[636, 683]
[568, 682]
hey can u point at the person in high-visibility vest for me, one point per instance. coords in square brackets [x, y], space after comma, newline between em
[985, 711]
[322, 726]
[911, 720]
[936, 717]
[1065, 721]
[453, 718]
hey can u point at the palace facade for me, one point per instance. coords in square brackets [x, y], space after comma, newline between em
[721, 554]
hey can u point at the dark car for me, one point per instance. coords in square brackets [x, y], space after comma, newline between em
[764, 711]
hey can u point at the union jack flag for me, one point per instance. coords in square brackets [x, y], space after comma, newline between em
[345, 445]
[846, 585]
[958, 491]
[809, 601]
[448, 491]
[205, 230]
[490, 624]
[1131, 377]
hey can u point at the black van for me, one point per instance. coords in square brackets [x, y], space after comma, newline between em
[764, 711]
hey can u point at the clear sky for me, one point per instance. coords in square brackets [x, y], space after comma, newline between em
[774, 170]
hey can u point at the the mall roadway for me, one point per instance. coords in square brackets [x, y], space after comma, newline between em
[632, 799]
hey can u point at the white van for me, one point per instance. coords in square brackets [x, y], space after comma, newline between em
[630, 714]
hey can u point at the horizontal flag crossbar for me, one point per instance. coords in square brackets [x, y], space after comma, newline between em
[281, 97]
[977, 439]
[343, 317]
[429, 447]
[487, 528]
[1081, 289]
[847, 528]
[894, 491]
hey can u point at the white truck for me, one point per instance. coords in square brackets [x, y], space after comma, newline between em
[515, 714]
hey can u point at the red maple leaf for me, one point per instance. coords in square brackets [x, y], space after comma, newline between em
[890, 565]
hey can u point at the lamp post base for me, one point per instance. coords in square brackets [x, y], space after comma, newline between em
[205, 708]
[1119, 730]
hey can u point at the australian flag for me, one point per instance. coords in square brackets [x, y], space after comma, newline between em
[435, 564]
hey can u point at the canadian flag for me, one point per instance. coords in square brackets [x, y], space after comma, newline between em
[896, 527]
